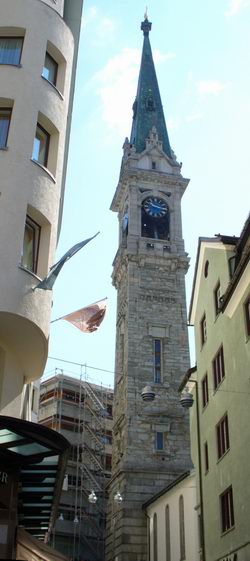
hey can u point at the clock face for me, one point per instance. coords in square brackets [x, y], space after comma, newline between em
[155, 207]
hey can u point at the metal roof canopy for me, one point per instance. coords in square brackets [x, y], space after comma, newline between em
[40, 455]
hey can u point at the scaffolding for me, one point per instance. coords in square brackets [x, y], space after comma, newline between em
[81, 411]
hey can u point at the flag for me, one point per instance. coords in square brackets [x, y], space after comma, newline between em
[47, 283]
[89, 318]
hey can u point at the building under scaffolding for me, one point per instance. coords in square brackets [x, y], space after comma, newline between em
[82, 412]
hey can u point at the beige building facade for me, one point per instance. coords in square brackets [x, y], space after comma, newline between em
[220, 313]
[38, 51]
[38, 54]
[173, 522]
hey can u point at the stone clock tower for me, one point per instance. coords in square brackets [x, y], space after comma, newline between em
[150, 440]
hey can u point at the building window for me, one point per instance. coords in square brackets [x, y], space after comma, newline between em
[204, 389]
[157, 360]
[10, 50]
[217, 299]
[50, 69]
[247, 315]
[206, 458]
[182, 529]
[5, 115]
[31, 244]
[203, 329]
[218, 368]
[222, 436]
[227, 510]
[153, 165]
[159, 441]
[167, 525]
[155, 544]
[41, 146]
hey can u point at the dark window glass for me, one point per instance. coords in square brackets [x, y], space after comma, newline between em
[157, 361]
[247, 315]
[217, 299]
[182, 528]
[159, 441]
[31, 244]
[153, 165]
[10, 50]
[227, 510]
[5, 115]
[50, 69]
[168, 543]
[203, 329]
[218, 368]
[222, 436]
[204, 388]
[41, 146]
[206, 458]
[155, 537]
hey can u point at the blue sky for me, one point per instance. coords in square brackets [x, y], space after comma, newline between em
[202, 57]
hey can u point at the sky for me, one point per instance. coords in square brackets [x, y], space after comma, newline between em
[202, 58]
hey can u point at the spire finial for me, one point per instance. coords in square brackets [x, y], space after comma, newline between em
[146, 25]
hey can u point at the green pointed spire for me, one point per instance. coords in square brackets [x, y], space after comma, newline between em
[147, 108]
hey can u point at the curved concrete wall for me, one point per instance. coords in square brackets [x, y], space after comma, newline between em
[26, 187]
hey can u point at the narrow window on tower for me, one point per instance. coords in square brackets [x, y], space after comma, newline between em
[157, 361]
[206, 457]
[159, 440]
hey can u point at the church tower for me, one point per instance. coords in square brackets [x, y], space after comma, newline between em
[150, 440]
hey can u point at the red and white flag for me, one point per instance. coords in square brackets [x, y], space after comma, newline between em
[89, 318]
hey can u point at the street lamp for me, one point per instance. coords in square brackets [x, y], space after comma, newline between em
[92, 498]
[187, 400]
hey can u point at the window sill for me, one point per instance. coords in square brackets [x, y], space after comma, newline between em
[218, 386]
[53, 86]
[10, 64]
[4, 148]
[34, 275]
[223, 456]
[44, 169]
[227, 531]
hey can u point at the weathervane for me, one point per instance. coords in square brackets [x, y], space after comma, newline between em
[146, 14]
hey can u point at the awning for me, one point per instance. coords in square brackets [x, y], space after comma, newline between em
[39, 455]
[30, 549]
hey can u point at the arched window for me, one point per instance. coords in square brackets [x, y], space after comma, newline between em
[155, 218]
[167, 526]
[155, 544]
[182, 529]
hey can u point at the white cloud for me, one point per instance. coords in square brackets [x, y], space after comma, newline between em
[193, 117]
[173, 123]
[213, 87]
[89, 16]
[235, 6]
[116, 87]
